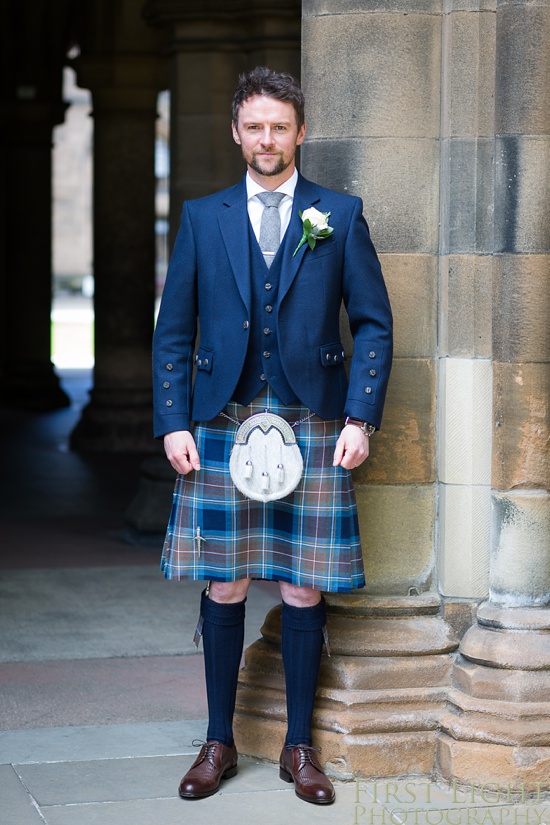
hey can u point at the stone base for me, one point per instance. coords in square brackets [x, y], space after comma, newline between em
[497, 726]
[503, 767]
[380, 693]
[122, 424]
[147, 515]
[35, 388]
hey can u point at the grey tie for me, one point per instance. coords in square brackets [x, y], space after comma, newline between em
[270, 227]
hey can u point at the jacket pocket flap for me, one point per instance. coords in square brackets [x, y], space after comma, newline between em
[203, 359]
[332, 354]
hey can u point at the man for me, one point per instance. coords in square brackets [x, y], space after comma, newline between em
[266, 288]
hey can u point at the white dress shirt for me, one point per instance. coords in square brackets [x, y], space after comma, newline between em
[256, 207]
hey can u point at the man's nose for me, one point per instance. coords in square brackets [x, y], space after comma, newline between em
[267, 136]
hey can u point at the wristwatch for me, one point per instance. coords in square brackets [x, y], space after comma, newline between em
[368, 429]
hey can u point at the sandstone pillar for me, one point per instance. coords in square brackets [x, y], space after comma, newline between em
[124, 75]
[497, 728]
[373, 116]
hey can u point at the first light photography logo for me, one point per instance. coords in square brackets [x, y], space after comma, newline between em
[424, 803]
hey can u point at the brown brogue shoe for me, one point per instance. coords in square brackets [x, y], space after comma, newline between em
[215, 762]
[301, 766]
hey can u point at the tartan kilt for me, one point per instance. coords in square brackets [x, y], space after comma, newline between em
[310, 538]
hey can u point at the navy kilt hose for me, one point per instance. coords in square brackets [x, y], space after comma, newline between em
[310, 538]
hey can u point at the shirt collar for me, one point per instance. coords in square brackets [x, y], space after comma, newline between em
[287, 188]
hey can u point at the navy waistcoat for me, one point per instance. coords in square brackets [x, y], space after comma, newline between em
[263, 361]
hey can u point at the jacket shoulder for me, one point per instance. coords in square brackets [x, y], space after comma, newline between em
[207, 202]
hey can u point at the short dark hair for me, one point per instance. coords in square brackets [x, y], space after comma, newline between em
[266, 82]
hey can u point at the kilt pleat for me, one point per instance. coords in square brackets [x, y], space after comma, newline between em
[310, 538]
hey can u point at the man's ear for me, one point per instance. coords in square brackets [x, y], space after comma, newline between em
[301, 135]
[236, 137]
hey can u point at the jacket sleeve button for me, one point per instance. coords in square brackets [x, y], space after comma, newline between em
[169, 366]
[368, 390]
[372, 354]
[168, 403]
[166, 385]
[245, 325]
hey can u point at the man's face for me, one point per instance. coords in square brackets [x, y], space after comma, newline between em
[268, 135]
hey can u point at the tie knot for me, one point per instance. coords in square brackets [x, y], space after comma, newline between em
[271, 198]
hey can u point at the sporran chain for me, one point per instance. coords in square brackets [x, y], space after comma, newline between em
[293, 424]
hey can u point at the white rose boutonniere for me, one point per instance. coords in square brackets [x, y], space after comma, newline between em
[315, 227]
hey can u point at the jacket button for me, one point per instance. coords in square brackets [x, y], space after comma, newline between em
[262, 377]
[266, 330]
[206, 362]
[327, 356]
[368, 390]
[336, 358]
[169, 366]
[372, 372]
[168, 403]
[269, 308]
[372, 354]
[246, 325]
[166, 385]
[267, 354]
[268, 287]
[343, 354]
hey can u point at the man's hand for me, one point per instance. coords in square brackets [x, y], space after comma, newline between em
[181, 451]
[352, 448]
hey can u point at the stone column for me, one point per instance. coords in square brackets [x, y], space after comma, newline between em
[28, 379]
[498, 726]
[373, 117]
[466, 271]
[33, 41]
[124, 77]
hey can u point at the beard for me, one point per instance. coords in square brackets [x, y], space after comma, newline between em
[268, 171]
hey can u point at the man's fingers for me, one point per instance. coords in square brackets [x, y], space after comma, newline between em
[193, 458]
[181, 451]
[352, 448]
[338, 452]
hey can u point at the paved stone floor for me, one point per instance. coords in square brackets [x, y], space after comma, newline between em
[101, 690]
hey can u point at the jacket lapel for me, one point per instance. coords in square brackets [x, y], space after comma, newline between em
[306, 194]
[233, 222]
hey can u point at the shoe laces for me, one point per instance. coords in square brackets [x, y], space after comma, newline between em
[209, 748]
[305, 753]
